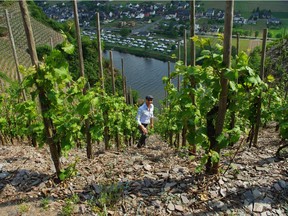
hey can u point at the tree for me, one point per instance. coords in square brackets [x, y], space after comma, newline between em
[256, 34]
[125, 32]
[3, 31]
[279, 35]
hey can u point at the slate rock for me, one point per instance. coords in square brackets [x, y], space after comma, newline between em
[282, 184]
[219, 204]
[147, 167]
[241, 177]
[266, 213]
[249, 196]
[258, 207]
[163, 174]
[223, 192]
[279, 212]
[171, 206]
[233, 190]
[184, 199]
[179, 208]
[156, 203]
[248, 206]
[168, 186]
[257, 194]
[260, 168]
[277, 187]
[4, 175]
[213, 194]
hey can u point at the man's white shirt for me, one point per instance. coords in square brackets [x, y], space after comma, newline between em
[144, 114]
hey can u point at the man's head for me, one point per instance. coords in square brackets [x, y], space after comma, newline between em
[149, 99]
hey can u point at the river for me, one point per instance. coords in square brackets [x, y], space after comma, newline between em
[143, 74]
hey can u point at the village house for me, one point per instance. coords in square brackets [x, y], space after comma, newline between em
[239, 20]
[183, 15]
[171, 15]
[210, 13]
[274, 21]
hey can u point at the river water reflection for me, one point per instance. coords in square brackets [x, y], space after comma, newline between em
[143, 74]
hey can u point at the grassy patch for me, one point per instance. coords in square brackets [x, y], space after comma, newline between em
[139, 52]
[246, 7]
[68, 208]
[45, 203]
[243, 44]
[23, 208]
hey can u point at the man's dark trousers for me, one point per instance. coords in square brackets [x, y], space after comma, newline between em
[142, 140]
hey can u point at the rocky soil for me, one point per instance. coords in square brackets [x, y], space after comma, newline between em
[155, 180]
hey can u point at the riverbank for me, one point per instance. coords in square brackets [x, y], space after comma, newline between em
[141, 52]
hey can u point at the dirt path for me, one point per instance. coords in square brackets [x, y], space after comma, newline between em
[155, 180]
[253, 44]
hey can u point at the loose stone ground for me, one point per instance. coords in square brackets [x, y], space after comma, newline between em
[155, 180]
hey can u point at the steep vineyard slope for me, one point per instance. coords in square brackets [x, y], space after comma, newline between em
[277, 57]
[42, 35]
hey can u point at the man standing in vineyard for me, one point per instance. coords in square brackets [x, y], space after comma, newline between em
[144, 118]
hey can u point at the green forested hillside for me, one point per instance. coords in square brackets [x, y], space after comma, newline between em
[42, 35]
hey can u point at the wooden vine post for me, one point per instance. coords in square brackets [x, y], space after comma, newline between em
[192, 63]
[123, 79]
[166, 92]
[192, 33]
[259, 99]
[233, 114]
[228, 25]
[112, 72]
[82, 73]
[102, 79]
[19, 77]
[185, 47]
[178, 89]
[238, 44]
[185, 126]
[54, 146]
[101, 74]
[117, 138]
[131, 96]
[170, 132]
[79, 43]
[179, 59]
[51, 43]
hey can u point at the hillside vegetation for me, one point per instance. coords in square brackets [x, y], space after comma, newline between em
[42, 36]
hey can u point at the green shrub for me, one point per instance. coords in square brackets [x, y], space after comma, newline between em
[3, 31]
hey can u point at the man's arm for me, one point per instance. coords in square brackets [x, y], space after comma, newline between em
[151, 122]
[138, 116]
[139, 122]
[152, 117]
